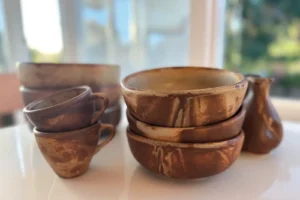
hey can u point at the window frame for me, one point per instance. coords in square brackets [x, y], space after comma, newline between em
[16, 44]
[206, 48]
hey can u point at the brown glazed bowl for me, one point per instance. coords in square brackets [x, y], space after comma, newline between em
[69, 153]
[183, 160]
[62, 75]
[112, 92]
[183, 96]
[210, 133]
[66, 110]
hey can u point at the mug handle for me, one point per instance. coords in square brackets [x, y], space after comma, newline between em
[111, 128]
[99, 97]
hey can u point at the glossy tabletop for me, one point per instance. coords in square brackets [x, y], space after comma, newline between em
[114, 174]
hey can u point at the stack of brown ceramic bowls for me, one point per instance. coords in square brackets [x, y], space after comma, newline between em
[67, 128]
[42, 79]
[185, 122]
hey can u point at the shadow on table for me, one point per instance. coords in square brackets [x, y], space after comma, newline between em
[246, 182]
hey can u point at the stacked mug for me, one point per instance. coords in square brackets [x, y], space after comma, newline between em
[67, 128]
[43, 79]
[185, 122]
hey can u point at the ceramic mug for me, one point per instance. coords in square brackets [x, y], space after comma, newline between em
[66, 110]
[112, 92]
[69, 153]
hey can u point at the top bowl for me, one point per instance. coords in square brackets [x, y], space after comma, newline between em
[184, 96]
[60, 75]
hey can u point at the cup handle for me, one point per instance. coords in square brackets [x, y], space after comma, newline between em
[99, 97]
[111, 128]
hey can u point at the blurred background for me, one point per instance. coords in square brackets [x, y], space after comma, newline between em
[250, 36]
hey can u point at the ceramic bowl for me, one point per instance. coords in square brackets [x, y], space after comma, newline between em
[184, 96]
[111, 115]
[183, 160]
[210, 133]
[66, 110]
[112, 92]
[60, 75]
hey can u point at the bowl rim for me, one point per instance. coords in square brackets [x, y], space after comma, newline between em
[71, 102]
[204, 91]
[62, 134]
[208, 145]
[239, 114]
[24, 89]
[66, 64]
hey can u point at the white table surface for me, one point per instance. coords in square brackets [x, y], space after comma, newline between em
[114, 174]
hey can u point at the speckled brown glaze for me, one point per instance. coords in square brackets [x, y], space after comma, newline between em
[182, 160]
[66, 110]
[262, 126]
[63, 75]
[69, 153]
[209, 133]
[183, 96]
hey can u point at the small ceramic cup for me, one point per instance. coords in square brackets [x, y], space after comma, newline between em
[69, 153]
[66, 110]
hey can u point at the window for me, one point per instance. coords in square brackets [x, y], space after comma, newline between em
[263, 37]
[42, 30]
[137, 34]
[250, 36]
[3, 43]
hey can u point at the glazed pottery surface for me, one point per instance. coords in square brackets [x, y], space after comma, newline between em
[112, 92]
[66, 110]
[184, 96]
[209, 133]
[262, 126]
[184, 160]
[69, 153]
[61, 75]
[30, 95]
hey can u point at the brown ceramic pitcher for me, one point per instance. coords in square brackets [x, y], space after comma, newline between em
[262, 126]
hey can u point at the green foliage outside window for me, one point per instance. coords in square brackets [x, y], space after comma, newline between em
[263, 36]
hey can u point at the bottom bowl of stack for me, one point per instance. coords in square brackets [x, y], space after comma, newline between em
[185, 160]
